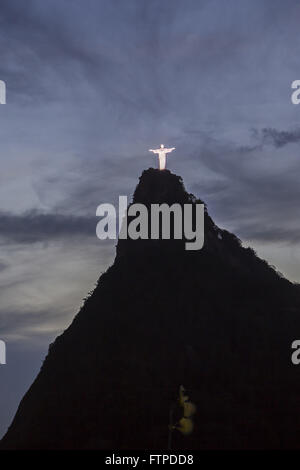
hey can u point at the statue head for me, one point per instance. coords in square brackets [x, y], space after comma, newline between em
[162, 146]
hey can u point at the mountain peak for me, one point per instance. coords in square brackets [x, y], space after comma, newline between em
[160, 186]
[218, 320]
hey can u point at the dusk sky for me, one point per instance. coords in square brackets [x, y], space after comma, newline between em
[91, 86]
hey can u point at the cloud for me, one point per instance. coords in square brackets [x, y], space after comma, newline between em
[44, 284]
[32, 227]
[16, 324]
[252, 190]
[278, 138]
[269, 233]
[3, 266]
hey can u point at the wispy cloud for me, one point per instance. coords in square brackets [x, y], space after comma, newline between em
[33, 226]
[280, 138]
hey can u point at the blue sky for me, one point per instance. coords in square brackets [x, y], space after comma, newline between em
[91, 86]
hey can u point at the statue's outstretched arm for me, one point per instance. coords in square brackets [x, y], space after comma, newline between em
[154, 151]
[170, 150]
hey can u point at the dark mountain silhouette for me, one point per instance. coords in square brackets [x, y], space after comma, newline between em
[219, 320]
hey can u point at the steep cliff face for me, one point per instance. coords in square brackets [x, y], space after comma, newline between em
[219, 320]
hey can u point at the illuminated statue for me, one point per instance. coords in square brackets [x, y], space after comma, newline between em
[162, 151]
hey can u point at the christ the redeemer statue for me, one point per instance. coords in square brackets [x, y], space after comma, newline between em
[162, 151]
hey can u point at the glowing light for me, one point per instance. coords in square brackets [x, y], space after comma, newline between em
[162, 152]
